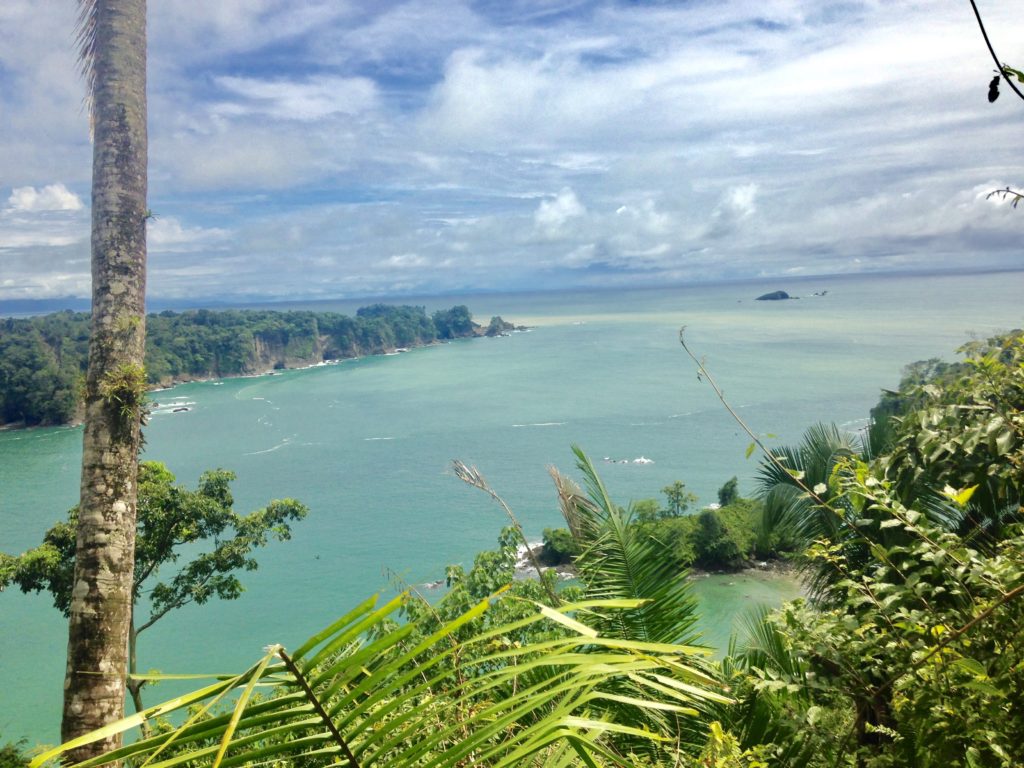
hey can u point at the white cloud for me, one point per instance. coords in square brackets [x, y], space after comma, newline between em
[51, 217]
[268, 159]
[32, 238]
[403, 260]
[741, 200]
[644, 218]
[53, 197]
[419, 143]
[168, 234]
[552, 215]
[736, 205]
[580, 257]
[311, 99]
[186, 31]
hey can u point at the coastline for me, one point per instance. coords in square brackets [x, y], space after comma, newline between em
[272, 369]
[762, 570]
[479, 332]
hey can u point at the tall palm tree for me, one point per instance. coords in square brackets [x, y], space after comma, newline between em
[112, 39]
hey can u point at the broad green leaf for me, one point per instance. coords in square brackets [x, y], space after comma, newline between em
[972, 666]
[240, 705]
[364, 607]
[126, 724]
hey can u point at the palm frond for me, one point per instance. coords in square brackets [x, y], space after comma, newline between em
[789, 509]
[618, 560]
[765, 715]
[348, 697]
[763, 646]
[583, 516]
[85, 41]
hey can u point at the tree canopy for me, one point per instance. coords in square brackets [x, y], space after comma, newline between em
[170, 517]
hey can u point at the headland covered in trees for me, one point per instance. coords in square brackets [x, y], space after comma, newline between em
[43, 359]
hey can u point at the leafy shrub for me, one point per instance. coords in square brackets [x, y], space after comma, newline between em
[12, 755]
[559, 547]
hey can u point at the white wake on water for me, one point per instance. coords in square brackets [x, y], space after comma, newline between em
[282, 444]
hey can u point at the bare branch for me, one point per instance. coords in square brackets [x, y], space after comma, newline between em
[1006, 194]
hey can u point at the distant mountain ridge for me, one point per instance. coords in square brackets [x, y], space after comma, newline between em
[43, 358]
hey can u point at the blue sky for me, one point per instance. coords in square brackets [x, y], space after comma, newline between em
[323, 148]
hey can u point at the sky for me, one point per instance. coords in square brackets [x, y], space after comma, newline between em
[320, 149]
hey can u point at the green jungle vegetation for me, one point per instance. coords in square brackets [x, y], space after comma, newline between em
[43, 359]
[908, 649]
[725, 537]
[171, 521]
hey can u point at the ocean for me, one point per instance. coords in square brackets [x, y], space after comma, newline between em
[367, 445]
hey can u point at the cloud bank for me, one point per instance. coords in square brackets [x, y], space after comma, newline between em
[328, 149]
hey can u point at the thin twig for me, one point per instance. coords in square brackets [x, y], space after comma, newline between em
[471, 476]
[999, 64]
[1006, 193]
[703, 374]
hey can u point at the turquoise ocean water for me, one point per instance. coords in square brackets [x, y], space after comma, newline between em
[367, 444]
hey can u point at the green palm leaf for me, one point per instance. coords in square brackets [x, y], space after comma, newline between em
[788, 508]
[619, 561]
[353, 698]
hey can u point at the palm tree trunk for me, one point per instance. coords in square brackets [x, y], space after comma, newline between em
[114, 51]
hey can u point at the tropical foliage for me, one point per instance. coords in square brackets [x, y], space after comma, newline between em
[618, 560]
[171, 519]
[911, 650]
[12, 755]
[723, 538]
[351, 697]
[908, 650]
[518, 676]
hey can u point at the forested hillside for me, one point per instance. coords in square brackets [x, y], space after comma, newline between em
[42, 359]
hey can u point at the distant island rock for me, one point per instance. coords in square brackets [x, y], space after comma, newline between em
[497, 327]
[781, 295]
